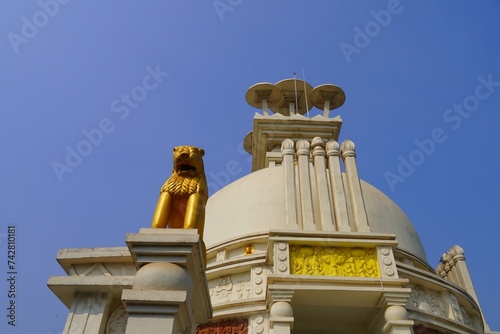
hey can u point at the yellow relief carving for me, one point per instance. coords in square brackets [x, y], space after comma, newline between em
[333, 261]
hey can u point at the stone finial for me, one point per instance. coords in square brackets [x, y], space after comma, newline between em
[318, 146]
[303, 147]
[440, 270]
[332, 148]
[317, 141]
[348, 149]
[458, 250]
[446, 257]
[287, 147]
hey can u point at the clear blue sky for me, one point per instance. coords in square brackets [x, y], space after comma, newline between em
[70, 67]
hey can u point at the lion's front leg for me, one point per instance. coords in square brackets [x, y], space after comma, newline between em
[195, 212]
[163, 210]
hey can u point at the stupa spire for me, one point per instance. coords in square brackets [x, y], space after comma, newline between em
[289, 100]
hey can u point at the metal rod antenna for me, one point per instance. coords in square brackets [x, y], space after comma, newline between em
[296, 98]
[305, 91]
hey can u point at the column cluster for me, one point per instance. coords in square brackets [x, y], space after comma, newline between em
[317, 194]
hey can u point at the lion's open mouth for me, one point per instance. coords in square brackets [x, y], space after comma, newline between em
[186, 168]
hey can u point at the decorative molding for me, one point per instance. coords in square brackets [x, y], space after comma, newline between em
[348, 149]
[427, 300]
[303, 147]
[102, 269]
[421, 329]
[221, 255]
[230, 288]
[249, 250]
[444, 304]
[332, 148]
[448, 262]
[287, 147]
[386, 262]
[89, 312]
[259, 281]
[117, 321]
[97, 269]
[318, 147]
[242, 288]
[455, 308]
[259, 323]
[230, 326]
[334, 261]
[222, 291]
[281, 258]
[467, 318]
[408, 261]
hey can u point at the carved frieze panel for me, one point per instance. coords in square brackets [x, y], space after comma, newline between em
[221, 255]
[408, 261]
[455, 307]
[230, 288]
[333, 261]
[467, 318]
[444, 304]
[427, 300]
[229, 326]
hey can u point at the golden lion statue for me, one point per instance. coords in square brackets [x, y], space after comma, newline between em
[184, 195]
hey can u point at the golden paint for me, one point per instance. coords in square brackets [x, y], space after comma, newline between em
[250, 249]
[334, 261]
[184, 195]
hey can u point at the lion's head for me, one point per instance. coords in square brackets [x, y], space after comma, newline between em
[188, 161]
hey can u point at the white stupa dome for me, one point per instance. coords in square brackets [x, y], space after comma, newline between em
[256, 203]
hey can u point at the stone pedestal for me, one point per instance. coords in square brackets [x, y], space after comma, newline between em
[160, 280]
[281, 315]
[171, 271]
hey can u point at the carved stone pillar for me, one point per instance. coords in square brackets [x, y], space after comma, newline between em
[290, 193]
[281, 317]
[453, 267]
[457, 278]
[462, 272]
[396, 316]
[325, 207]
[89, 313]
[305, 191]
[354, 185]
[447, 261]
[337, 186]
